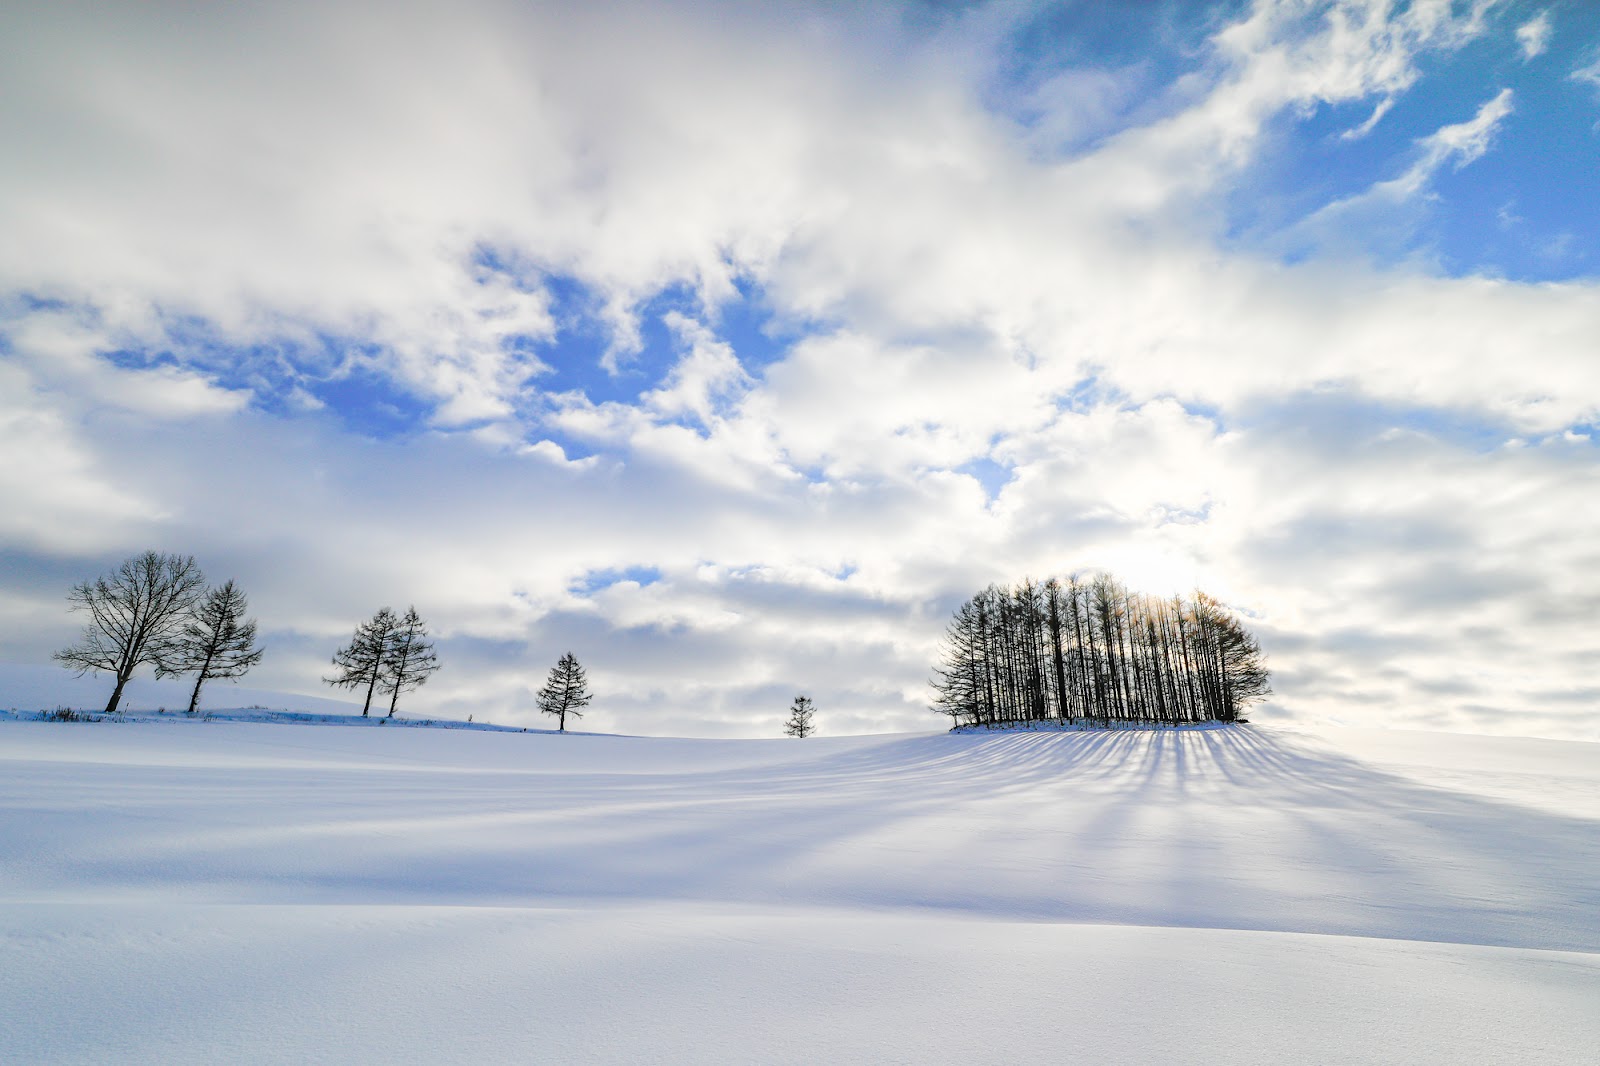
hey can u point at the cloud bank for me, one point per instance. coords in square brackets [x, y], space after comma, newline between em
[730, 348]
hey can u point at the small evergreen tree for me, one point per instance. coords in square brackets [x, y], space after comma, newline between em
[216, 641]
[565, 692]
[360, 664]
[410, 659]
[800, 712]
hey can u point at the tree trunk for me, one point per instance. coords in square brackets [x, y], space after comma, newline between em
[116, 695]
[1057, 659]
[200, 679]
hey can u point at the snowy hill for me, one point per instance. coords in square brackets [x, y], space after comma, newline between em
[242, 891]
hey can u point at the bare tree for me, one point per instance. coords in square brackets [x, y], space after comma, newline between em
[1235, 671]
[800, 713]
[135, 613]
[360, 664]
[216, 640]
[565, 692]
[410, 659]
[959, 685]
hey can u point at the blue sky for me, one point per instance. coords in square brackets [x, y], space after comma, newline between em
[731, 346]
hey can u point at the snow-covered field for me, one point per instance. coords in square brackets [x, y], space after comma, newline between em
[205, 892]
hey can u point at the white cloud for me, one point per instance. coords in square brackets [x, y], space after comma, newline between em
[1357, 132]
[1461, 143]
[705, 381]
[1534, 35]
[672, 151]
[551, 452]
[65, 349]
[59, 494]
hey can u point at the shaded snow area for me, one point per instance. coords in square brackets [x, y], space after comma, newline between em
[230, 891]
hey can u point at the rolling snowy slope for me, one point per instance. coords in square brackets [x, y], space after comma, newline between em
[227, 891]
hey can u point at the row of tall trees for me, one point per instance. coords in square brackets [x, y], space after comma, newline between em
[1090, 650]
[156, 610]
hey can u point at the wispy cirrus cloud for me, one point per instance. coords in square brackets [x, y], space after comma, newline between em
[1386, 213]
[1589, 73]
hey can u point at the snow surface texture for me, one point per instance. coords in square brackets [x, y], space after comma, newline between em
[224, 891]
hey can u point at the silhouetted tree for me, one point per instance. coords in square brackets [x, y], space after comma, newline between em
[1232, 669]
[800, 714]
[360, 664]
[135, 614]
[215, 641]
[960, 684]
[410, 659]
[566, 691]
[1095, 651]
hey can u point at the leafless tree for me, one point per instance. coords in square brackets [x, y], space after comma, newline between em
[135, 614]
[216, 640]
[410, 660]
[360, 664]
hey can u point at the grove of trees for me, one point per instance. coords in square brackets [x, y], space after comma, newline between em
[155, 610]
[411, 659]
[1091, 651]
[388, 654]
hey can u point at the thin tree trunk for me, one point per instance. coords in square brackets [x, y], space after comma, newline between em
[1058, 660]
[1129, 710]
[1184, 628]
[1084, 689]
[199, 679]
